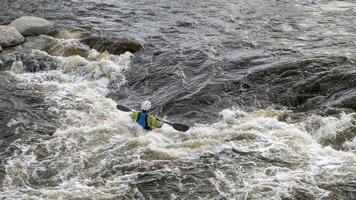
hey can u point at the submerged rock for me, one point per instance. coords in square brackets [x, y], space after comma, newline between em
[349, 102]
[291, 117]
[29, 25]
[9, 36]
[311, 103]
[112, 45]
[66, 48]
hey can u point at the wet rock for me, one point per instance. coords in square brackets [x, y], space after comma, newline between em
[112, 45]
[31, 43]
[29, 25]
[9, 36]
[291, 117]
[333, 111]
[349, 102]
[38, 61]
[7, 59]
[66, 48]
[35, 42]
[72, 51]
[311, 103]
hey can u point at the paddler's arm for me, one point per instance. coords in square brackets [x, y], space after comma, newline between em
[152, 121]
[134, 115]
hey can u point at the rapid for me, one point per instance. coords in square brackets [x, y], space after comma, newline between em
[268, 88]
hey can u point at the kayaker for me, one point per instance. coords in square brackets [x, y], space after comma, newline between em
[146, 120]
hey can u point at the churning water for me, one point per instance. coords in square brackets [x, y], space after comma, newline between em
[269, 88]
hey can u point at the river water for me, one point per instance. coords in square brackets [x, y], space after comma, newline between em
[268, 88]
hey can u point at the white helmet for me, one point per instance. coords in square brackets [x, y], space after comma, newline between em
[146, 105]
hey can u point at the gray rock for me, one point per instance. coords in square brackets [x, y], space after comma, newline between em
[0, 48]
[9, 36]
[28, 25]
[7, 59]
[35, 42]
[37, 61]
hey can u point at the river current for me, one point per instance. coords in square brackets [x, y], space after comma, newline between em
[268, 88]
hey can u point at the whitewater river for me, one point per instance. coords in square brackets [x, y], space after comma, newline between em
[268, 88]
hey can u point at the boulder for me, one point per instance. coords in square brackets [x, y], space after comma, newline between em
[28, 25]
[66, 48]
[38, 61]
[7, 59]
[311, 103]
[35, 42]
[31, 43]
[112, 45]
[9, 36]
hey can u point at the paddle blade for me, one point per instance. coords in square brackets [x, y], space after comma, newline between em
[180, 127]
[123, 108]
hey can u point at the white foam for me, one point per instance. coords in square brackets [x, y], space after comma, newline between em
[94, 139]
[327, 128]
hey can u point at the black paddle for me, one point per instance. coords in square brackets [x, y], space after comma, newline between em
[179, 127]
